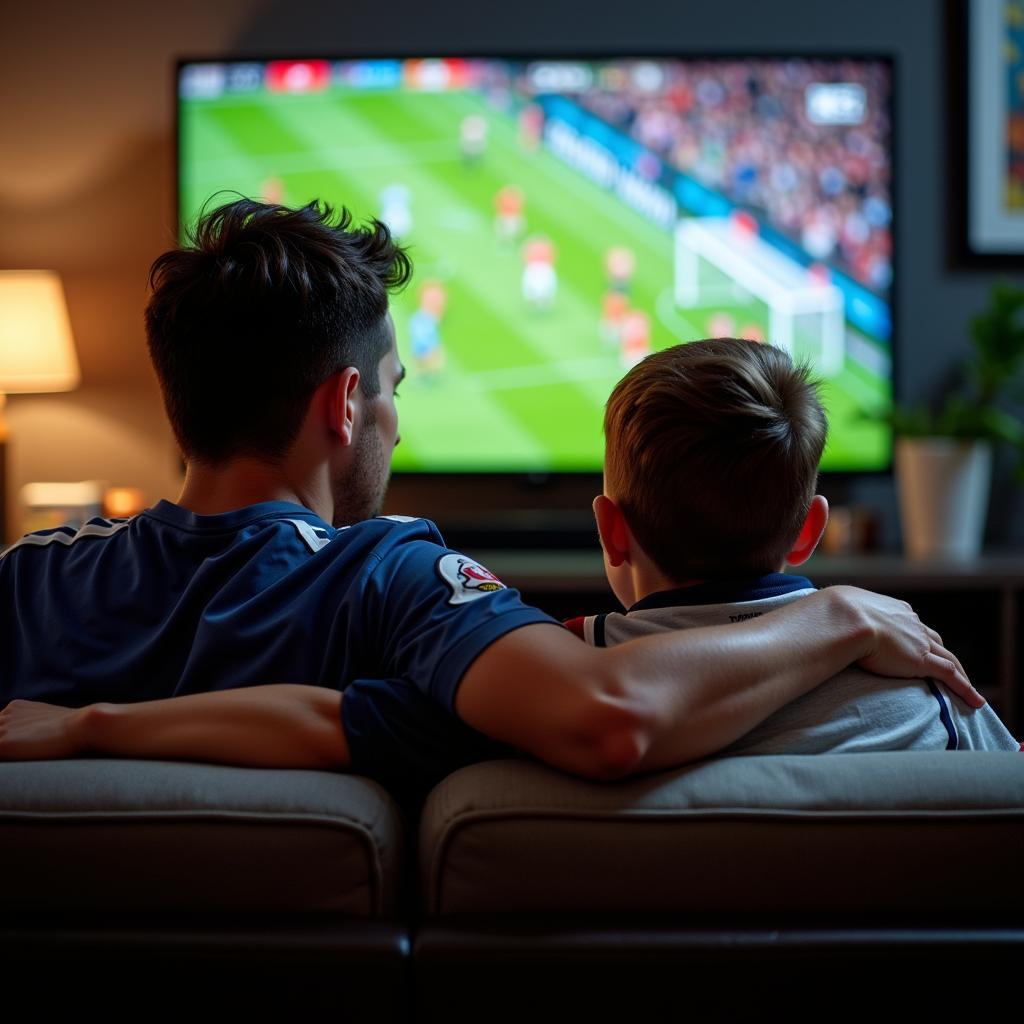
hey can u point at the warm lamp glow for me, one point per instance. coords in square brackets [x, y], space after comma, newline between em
[37, 352]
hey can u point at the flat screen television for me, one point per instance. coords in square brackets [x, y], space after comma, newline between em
[567, 216]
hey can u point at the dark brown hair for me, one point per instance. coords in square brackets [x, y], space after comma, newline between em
[712, 452]
[256, 311]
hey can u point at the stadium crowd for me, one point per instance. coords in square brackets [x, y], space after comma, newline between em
[742, 128]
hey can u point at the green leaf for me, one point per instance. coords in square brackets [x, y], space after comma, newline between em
[983, 408]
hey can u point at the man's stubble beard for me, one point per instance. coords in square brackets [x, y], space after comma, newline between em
[360, 493]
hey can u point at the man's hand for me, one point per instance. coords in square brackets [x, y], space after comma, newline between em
[901, 645]
[33, 731]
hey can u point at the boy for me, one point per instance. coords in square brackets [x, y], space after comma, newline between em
[711, 461]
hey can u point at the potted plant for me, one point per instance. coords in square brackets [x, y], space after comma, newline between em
[944, 457]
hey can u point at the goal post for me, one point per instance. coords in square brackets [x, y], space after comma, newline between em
[792, 292]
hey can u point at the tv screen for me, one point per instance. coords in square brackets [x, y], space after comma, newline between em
[567, 217]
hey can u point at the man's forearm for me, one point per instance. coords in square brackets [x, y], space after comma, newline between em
[281, 726]
[663, 700]
[736, 677]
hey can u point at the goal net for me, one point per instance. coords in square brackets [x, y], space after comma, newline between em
[722, 262]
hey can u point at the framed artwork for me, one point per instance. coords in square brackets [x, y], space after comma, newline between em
[986, 90]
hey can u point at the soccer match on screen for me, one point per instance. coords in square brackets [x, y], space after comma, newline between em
[566, 218]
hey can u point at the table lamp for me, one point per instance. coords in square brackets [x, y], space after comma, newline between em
[37, 352]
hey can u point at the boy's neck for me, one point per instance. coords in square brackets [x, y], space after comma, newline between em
[653, 581]
[640, 595]
[645, 578]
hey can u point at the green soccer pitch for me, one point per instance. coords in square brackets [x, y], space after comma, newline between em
[521, 389]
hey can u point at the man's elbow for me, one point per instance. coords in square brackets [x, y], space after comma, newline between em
[618, 739]
[325, 737]
[621, 754]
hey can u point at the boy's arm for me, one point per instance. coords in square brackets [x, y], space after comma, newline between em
[665, 700]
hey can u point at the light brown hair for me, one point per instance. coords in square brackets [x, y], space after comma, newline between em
[712, 452]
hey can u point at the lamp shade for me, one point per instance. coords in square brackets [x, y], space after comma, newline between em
[37, 352]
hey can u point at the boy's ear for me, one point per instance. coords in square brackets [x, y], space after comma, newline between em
[612, 529]
[810, 532]
[341, 395]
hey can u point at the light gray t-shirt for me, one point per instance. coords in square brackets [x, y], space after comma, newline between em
[853, 712]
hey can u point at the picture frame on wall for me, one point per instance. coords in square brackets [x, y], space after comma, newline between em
[985, 41]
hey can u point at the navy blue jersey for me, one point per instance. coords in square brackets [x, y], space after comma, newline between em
[170, 603]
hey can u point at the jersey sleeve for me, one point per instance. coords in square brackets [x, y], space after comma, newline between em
[430, 612]
[406, 741]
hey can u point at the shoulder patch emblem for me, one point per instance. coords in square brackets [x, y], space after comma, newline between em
[466, 579]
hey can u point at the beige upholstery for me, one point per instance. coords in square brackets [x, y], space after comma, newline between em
[837, 833]
[130, 836]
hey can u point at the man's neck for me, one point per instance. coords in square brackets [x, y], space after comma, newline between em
[210, 490]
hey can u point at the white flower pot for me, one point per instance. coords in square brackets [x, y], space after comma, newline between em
[943, 487]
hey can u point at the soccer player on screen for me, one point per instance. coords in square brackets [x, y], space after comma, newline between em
[509, 222]
[396, 209]
[614, 308]
[272, 190]
[721, 325]
[531, 127]
[540, 281]
[636, 338]
[473, 139]
[620, 266]
[425, 329]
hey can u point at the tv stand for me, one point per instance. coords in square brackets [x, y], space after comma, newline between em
[539, 530]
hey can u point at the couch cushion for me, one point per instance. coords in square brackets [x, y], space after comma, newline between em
[923, 832]
[126, 836]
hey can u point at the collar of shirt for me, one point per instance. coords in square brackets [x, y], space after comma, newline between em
[726, 591]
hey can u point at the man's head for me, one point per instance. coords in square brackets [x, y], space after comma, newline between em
[261, 308]
[711, 455]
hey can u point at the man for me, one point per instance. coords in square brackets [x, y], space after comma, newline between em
[195, 629]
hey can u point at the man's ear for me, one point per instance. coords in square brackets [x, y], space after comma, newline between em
[810, 532]
[342, 396]
[612, 529]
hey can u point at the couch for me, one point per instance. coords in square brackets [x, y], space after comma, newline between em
[801, 887]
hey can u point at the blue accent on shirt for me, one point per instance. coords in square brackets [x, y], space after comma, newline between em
[947, 720]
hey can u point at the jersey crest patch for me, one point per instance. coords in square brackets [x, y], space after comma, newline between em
[466, 579]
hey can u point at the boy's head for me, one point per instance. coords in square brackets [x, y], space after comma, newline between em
[711, 456]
